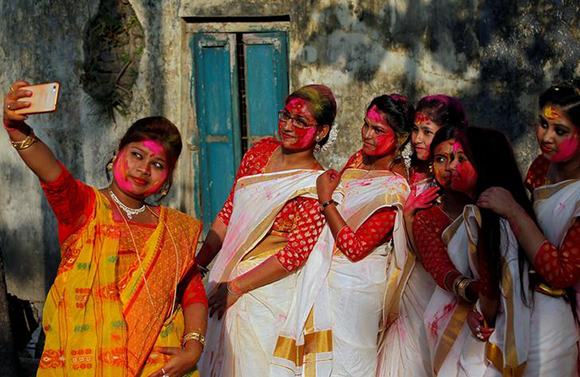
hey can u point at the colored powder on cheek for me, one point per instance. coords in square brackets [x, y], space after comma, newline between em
[385, 143]
[467, 177]
[567, 149]
[155, 147]
[305, 136]
[120, 173]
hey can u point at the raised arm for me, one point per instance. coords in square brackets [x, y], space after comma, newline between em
[559, 267]
[37, 156]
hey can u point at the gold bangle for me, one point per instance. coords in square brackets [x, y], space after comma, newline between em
[193, 336]
[462, 287]
[23, 144]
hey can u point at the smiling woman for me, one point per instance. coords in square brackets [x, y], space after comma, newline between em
[128, 296]
[260, 247]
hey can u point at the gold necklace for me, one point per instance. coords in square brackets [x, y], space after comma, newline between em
[141, 263]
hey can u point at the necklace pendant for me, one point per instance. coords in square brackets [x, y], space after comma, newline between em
[129, 215]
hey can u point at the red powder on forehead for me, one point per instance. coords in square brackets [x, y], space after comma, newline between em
[420, 118]
[154, 146]
[374, 115]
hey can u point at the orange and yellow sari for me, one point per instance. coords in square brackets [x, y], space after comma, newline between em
[100, 324]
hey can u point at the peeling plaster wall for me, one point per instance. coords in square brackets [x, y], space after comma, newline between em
[495, 56]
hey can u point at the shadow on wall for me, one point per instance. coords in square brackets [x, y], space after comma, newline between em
[516, 49]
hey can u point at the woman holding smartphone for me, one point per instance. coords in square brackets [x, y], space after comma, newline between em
[128, 299]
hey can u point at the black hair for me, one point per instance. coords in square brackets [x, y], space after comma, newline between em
[566, 95]
[496, 169]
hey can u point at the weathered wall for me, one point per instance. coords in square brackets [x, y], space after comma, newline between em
[495, 56]
[43, 41]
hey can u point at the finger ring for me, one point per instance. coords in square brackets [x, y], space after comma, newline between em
[480, 336]
[478, 329]
[164, 373]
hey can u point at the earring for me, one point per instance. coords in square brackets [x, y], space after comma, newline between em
[110, 166]
[317, 138]
[431, 168]
[163, 192]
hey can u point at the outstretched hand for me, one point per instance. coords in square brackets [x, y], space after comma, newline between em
[423, 200]
[326, 183]
[13, 102]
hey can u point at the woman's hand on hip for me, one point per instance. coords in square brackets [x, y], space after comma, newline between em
[326, 183]
[182, 360]
[221, 300]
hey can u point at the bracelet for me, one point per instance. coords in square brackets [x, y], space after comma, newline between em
[462, 287]
[193, 336]
[456, 282]
[326, 204]
[202, 270]
[233, 289]
[23, 144]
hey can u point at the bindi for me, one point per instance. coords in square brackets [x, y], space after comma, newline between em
[551, 113]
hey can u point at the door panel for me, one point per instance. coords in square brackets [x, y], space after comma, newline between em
[216, 96]
[266, 69]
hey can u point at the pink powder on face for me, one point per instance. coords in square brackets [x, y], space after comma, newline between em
[465, 177]
[567, 149]
[306, 137]
[120, 172]
[383, 143]
[374, 115]
[154, 147]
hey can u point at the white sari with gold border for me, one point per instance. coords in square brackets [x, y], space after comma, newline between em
[335, 319]
[403, 349]
[362, 294]
[242, 343]
[527, 340]
[557, 206]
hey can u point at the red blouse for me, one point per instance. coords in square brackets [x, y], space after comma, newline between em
[299, 220]
[73, 202]
[560, 268]
[428, 227]
[375, 231]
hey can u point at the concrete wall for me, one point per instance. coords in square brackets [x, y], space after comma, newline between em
[495, 56]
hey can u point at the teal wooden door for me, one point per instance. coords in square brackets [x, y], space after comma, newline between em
[266, 56]
[219, 91]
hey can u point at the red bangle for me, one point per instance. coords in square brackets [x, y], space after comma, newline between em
[234, 289]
